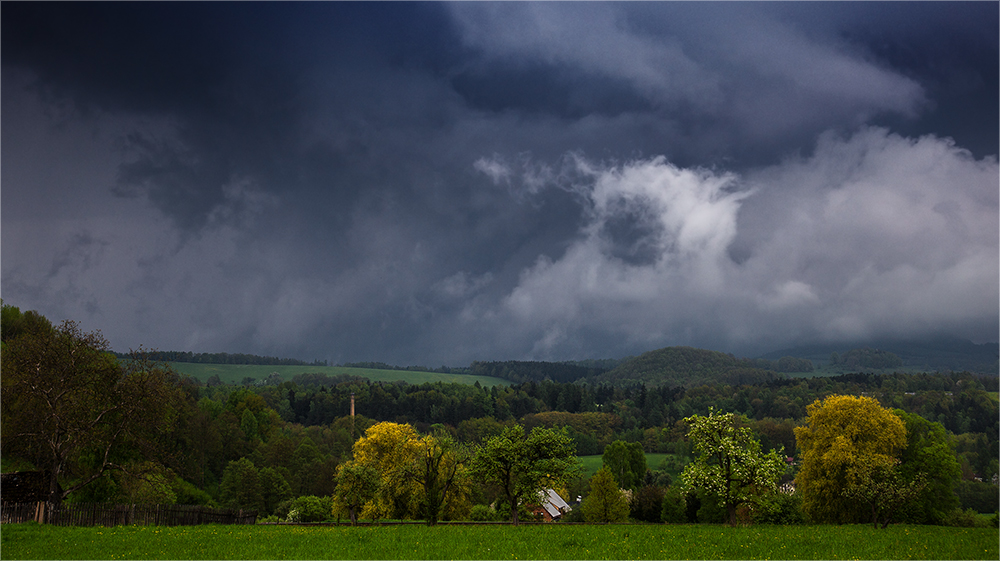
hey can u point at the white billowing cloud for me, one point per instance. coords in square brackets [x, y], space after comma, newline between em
[874, 235]
[688, 215]
[894, 235]
[653, 232]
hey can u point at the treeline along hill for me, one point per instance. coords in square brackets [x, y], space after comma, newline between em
[276, 443]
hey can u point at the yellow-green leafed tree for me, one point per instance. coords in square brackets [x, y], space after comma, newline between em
[845, 440]
[415, 476]
[389, 449]
[605, 502]
[442, 479]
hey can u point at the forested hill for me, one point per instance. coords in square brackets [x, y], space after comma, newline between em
[535, 371]
[688, 366]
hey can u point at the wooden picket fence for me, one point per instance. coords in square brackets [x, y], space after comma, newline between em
[102, 514]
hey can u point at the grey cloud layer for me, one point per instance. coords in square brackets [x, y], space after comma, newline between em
[519, 180]
[873, 235]
[715, 78]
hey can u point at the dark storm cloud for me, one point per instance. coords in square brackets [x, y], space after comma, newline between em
[234, 82]
[446, 182]
[723, 82]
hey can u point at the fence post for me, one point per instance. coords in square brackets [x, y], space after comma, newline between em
[40, 512]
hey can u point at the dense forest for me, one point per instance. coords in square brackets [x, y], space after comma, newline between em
[290, 436]
[223, 358]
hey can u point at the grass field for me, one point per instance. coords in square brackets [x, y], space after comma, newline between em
[554, 541]
[235, 373]
[593, 463]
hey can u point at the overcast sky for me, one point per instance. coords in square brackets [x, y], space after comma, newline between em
[440, 183]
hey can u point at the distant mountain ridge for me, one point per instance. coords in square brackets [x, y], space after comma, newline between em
[688, 366]
[941, 354]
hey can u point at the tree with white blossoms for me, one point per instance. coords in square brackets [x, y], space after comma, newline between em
[731, 465]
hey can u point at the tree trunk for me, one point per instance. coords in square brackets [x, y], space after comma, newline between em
[55, 496]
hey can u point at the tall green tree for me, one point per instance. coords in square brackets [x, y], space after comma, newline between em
[882, 490]
[605, 502]
[627, 462]
[731, 464]
[929, 454]
[71, 408]
[845, 439]
[273, 489]
[240, 487]
[356, 485]
[674, 506]
[523, 465]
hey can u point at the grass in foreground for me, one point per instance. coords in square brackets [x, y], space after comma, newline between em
[30, 541]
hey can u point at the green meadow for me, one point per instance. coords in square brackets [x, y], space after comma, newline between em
[235, 373]
[590, 464]
[548, 541]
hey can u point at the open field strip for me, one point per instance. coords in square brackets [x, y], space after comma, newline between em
[553, 541]
[234, 373]
[590, 464]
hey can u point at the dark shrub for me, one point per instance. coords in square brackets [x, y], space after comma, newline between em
[710, 512]
[978, 495]
[780, 508]
[647, 504]
[311, 509]
[962, 518]
[483, 513]
[674, 509]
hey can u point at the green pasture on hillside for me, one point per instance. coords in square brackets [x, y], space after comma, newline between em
[235, 373]
[593, 463]
[548, 541]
